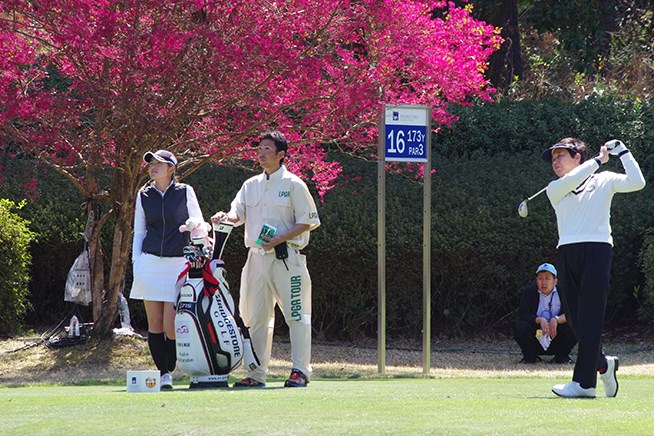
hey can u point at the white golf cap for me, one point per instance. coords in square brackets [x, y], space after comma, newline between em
[162, 156]
[546, 267]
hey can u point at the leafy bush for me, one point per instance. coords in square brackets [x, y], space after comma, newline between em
[53, 210]
[342, 257]
[507, 169]
[15, 238]
[482, 254]
[646, 294]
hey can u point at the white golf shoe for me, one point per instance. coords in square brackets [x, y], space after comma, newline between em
[573, 390]
[167, 381]
[609, 377]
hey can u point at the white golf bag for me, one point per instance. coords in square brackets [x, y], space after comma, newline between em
[211, 338]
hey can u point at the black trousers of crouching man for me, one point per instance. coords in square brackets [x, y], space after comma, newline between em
[560, 348]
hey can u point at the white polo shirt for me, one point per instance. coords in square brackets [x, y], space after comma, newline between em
[281, 200]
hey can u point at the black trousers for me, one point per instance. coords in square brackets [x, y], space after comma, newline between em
[584, 271]
[561, 346]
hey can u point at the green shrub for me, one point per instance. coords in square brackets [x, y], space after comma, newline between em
[505, 131]
[15, 238]
[645, 293]
[482, 252]
[53, 209]
[342, 257]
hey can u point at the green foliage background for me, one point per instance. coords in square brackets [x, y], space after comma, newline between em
[15, 238]
[483, 253]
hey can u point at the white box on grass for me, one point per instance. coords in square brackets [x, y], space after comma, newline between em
[143, 381]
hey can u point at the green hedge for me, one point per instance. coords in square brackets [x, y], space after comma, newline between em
[54, 211]
[521, 127]
[15, 259]
[483, 253]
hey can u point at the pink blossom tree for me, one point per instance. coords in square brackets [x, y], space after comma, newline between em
[203, 77]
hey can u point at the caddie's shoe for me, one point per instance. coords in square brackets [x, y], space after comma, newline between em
[573, 390]
[609, 377]
[248, 382]
[167, 381]
[296, 380]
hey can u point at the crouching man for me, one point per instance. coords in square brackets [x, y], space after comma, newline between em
[542, 328]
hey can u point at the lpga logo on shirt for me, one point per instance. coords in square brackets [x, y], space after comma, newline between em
[284, 194]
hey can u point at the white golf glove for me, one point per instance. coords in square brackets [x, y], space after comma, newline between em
[615, 147]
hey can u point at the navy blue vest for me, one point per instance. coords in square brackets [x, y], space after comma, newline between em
[163, 216]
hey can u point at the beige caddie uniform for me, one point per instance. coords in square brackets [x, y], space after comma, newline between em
[281, 200]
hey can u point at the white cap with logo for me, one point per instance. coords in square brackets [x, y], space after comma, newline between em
[162, 156]
[546, 267]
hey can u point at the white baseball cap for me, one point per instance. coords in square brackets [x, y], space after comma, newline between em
[546, 267]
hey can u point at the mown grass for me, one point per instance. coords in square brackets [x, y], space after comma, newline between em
[369, 406]
[474, 387]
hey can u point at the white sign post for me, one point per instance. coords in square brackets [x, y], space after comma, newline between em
[404, 136]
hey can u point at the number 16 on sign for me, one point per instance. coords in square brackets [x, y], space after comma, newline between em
[406, 133]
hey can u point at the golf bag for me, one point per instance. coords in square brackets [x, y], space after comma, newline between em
[211, 338]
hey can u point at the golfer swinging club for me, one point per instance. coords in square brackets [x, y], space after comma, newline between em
[582, 201]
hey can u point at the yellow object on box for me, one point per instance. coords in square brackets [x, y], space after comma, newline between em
[539, 333]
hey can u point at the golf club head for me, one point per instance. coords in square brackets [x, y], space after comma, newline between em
[522, 209]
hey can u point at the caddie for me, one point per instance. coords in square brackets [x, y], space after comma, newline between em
[279, 213]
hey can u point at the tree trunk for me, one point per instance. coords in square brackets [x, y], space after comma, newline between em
[123, 187]
[506, 63]
[120, 259]
[96, 258]
[606, 26]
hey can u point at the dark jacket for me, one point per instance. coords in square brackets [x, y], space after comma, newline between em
[163, 216]
[529, 305]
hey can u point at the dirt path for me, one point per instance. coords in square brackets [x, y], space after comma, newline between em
[27, 360]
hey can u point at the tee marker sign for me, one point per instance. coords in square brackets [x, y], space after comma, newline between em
[406, 133]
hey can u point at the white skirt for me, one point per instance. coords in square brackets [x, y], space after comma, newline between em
[158, 278]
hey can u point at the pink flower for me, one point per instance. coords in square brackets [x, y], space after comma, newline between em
[90, 85]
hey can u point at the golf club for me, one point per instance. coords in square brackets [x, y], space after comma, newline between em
[522, 209]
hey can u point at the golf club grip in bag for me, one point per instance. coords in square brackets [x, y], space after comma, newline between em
[211, 340]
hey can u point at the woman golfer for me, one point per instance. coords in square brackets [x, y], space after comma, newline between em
[582, 198]
[162, 206]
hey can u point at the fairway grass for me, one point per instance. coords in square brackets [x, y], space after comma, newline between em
[473, 387]
[330, 406]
